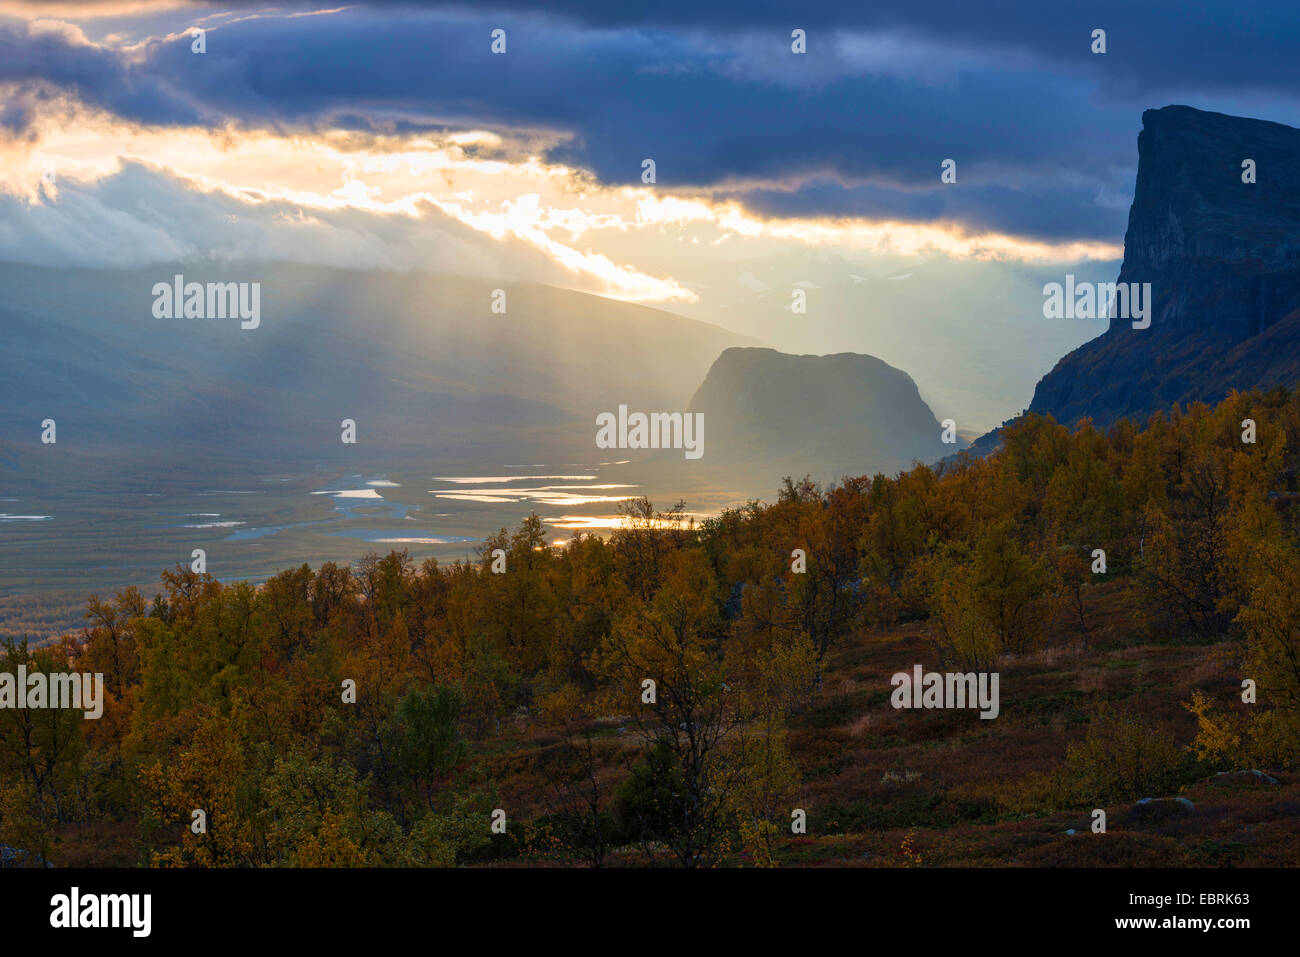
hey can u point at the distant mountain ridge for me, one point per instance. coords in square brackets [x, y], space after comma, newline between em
[1223, 260]
[421, 362]
[771, 414]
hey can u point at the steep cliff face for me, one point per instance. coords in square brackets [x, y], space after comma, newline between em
[1223, 260]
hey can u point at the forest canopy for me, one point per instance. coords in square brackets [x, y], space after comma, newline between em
[659, 671]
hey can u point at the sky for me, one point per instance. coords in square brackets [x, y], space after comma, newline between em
[389, 135]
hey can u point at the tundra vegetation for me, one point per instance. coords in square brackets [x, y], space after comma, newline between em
[679, 694]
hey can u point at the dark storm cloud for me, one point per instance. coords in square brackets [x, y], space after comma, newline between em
[1031, 212]
[859, 126]
[43, 62]
[1154, 46]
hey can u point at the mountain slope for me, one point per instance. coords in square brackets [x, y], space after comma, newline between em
[419, 361]
[768, 414]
